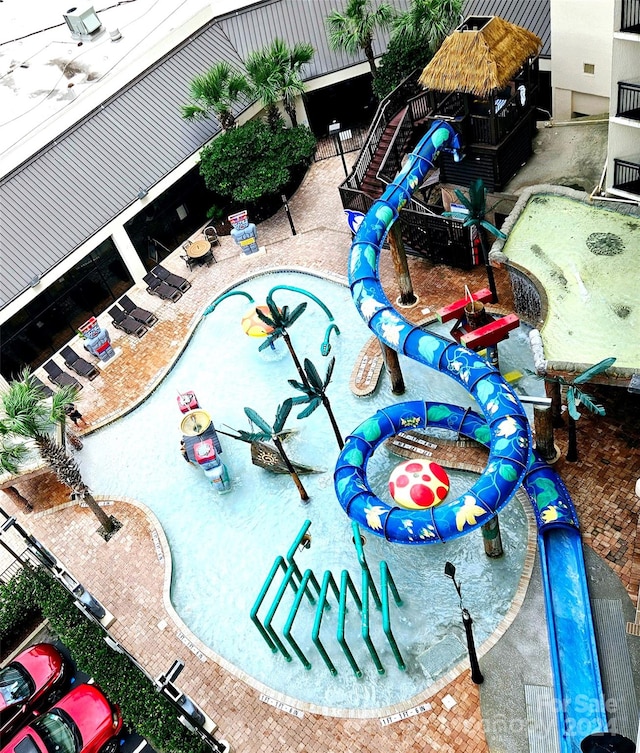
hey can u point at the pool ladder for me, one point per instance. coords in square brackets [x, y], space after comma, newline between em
[302, 584]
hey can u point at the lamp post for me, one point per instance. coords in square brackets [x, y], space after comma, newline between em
[334, 130]
[285, 203]
[476, 674]
[607, 742]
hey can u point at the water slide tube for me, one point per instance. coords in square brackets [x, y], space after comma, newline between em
[503, 427]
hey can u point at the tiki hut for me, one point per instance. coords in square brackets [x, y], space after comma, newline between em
[484, 78]
[482, 56]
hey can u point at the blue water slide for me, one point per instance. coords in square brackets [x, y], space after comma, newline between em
[503, 427]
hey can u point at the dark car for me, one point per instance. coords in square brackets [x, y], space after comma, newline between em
[83, 721]
[34, 679]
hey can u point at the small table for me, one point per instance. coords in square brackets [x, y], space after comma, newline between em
[198, 249]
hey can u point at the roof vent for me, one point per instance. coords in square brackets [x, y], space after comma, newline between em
[83, 22]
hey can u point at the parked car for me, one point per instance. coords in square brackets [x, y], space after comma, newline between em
[35, 679]
[83, 721]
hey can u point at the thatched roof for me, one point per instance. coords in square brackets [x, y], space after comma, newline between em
[480, 56]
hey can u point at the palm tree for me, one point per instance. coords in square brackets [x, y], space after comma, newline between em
[26, 417]
[577, 397]
[274, 74]
[475, 204]
[273, 433]
[280, 320]
[216, 90]
[429, 20]
[353, 30]
[315, 393]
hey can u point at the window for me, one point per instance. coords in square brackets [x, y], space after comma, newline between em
[589, 68]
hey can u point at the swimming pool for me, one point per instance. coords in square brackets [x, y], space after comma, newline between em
[223, 546]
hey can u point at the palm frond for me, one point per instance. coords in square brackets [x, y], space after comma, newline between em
[313, 404]
[592, 371]
[282, 414]
[571, 404]
[258, 420]
[590, 405]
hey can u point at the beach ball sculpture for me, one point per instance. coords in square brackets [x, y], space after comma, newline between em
[252, 325]
[418, 484]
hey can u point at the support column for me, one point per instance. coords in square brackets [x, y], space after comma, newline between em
[552, 390]
[401, 266]
[543, 426]
[129, 255]
[392, 365]
[491, 537]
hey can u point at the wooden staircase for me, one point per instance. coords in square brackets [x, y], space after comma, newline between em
[371, 185]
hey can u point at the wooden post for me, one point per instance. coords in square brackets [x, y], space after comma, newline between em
[543, 425]
[392, 365]
[491, 537]
[399, 256]
[552, 390]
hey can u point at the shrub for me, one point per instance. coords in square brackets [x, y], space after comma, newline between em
[142, 706]
[404, 54]
[253, 161]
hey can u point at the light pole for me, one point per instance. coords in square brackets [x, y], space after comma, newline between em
[607, 742]
[285, 203]
[476, 674]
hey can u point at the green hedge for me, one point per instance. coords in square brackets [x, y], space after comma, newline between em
[252, 162]
[143, 708]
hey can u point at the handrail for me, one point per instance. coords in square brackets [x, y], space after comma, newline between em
[346, 582]
[328, 580]
[279, 562]
[293, 564]
[366, 636]
[362, 560]
[274, 606]
[386, 583]
[292, 615]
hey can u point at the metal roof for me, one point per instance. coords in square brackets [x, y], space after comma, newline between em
[88, 175]
[534, 15]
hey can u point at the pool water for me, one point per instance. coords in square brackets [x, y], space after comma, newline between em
[223, 546]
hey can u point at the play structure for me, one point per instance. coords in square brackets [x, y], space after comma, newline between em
[200, 443]
[503, 427]
[303, 586]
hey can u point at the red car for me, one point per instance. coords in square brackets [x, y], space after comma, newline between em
[35, 679]
[83, 721]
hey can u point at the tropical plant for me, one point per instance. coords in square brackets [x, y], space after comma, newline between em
[280, 320]
[252, 162]
[476, 206]
[576, 397]
[404, 54]
[274, 75]
[26, 417]
[265, 433]
[315, 394]
[216, 91]
[354, 29]
[429, 21]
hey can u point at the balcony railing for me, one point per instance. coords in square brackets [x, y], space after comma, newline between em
[630, 21]
[628, 100]
[626, 176]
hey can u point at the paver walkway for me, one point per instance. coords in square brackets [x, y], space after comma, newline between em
[131, 574]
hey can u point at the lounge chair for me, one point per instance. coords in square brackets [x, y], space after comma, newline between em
[126, 323]
[59, 377]
[155, 286]
[76, 363]
[142, 315]
[46, 391]
[176, 281]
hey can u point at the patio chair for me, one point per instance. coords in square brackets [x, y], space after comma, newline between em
[126, 323]
[142, 315]
[155, 286]
[176, 281]
[46, 391]
[76, 363]
[191, 263]
[59, 377]
[211, 234]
